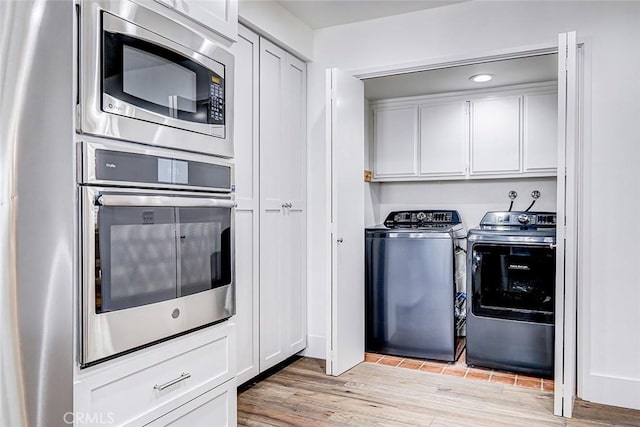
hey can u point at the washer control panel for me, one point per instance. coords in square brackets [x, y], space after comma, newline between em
[501, 220]
[421, 218]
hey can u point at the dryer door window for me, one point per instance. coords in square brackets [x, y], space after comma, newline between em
[513, 282]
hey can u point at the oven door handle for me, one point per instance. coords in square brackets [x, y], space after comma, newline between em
[162, 201]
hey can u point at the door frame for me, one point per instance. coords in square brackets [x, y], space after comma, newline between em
[561, 408]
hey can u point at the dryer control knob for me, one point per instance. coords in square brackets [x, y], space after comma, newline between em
[421, 216]
[523, 219]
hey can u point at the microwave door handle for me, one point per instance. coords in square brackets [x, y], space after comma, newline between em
[162, 201]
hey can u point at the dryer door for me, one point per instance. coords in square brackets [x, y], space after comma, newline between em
[513, 281]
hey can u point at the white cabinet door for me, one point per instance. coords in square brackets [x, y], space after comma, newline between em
[215, 408]
[294, 255]
[395, 141]
[443, 139]
[272, 203]
[220, 16]
[495, 136]
[282, 205]
[246, 147]
[540, 132]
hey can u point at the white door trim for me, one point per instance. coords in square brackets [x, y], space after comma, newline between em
[453, 61]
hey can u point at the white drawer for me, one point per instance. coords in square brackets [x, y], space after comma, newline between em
[214, 408]
[128, 391]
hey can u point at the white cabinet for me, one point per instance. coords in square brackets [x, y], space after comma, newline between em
[395, 141]
[443, 139]
[220, 16]
[270, 135]
[282, 205]
[215, 408]
[503, 133]
[495, 135]
[246, 160]
[540, 132]
[139, 388]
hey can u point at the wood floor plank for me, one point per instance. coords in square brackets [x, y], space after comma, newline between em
[378, 395]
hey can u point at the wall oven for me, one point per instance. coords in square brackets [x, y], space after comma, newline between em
[156, 246]
[148, 79]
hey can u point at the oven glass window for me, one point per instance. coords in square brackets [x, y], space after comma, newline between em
[204, 249]
[135, 257]
[146, 255]
[514, 282]
[156, 79]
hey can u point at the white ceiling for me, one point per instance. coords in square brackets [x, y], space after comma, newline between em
[508, 72]
[328, 13]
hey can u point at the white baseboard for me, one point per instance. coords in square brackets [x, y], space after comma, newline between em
[316, 347]
[615, 391]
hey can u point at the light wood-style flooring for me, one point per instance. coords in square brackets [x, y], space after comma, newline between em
[379, 395]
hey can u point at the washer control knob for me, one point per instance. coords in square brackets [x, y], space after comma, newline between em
[421, 216]
[523, 219]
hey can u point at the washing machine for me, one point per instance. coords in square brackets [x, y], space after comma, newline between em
[414, 282]
[511, 265]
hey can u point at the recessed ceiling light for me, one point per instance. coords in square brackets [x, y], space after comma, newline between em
[481, 78]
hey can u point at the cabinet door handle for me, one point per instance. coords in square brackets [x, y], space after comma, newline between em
[182, 377]
[340, 240]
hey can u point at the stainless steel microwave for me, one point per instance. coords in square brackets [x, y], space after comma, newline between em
[157, 245]
[148, 79]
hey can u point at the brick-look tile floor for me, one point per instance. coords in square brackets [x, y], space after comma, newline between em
[460, 369]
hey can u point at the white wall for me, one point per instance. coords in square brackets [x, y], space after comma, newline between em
[609, 345]
[273, 21]
[471, 198]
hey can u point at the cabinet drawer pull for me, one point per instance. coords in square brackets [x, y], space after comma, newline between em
[182, 377]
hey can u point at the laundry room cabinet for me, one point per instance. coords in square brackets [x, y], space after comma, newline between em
[539, 131]
[396, 140]
[495, 135]
[504, 133]
[270, 147]
[443, 139]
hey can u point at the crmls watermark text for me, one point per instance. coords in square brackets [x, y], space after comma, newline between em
[89, 418]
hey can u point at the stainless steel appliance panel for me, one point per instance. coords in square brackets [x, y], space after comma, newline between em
[103, 115]
[37, 200]
[510, 345]
[410, 279]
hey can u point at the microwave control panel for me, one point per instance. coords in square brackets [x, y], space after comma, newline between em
[216, 100]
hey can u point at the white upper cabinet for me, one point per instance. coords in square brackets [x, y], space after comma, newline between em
[540, 132]
[395, 141]
[443, 139]
[499, 133]
[220, 16]
[495, 136]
